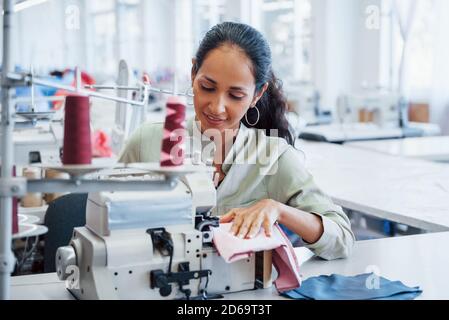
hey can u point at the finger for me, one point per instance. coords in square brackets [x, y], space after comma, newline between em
[228, 217]
[250, 218]
[244, 228]
[255, 227]
[267, 226]
[238, 220]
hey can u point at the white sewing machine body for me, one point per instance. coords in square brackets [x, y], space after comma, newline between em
[382, 109]
[121, 253]
[370, 115]
[40, 143]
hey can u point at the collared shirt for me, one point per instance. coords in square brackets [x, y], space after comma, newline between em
[257, 167]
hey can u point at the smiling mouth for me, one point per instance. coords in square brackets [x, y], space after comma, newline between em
[213, 119]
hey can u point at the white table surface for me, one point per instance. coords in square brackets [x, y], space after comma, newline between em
[409, 191]
[353, 131]
[420, 260]
[38, 212]
[340, 132]
[426, 148]
[27, 230]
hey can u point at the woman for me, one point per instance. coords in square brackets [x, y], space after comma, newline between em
[236, 93]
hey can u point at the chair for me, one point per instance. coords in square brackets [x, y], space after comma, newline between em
[63, 214]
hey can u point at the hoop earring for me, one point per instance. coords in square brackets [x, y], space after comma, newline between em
[258, 116]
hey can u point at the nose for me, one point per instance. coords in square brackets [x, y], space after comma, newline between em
[218, 105]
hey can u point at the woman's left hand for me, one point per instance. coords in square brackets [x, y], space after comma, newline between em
[248, 221]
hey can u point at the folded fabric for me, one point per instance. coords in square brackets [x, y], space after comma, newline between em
[286, 264]
[338, 287]
[232, 249]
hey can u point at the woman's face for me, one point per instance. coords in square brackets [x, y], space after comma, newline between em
[224, 89]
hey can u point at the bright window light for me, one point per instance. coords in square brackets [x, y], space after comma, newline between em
[27, 4]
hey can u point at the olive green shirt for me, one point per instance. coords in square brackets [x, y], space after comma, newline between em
[258, 167]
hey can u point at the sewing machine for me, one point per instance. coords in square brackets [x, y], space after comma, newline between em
[151, 245]
[382, 109]
[304, 101]
[369, 116]
[37, 144]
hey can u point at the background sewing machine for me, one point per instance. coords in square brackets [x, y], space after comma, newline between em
[304, 106]
[369, 116]
[37, 138]
[39, 144]
[382, 109]
[38, 130]
[152, 245]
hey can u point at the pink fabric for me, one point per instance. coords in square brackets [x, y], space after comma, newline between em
[232, 249]
[100, 145]
[286, 264]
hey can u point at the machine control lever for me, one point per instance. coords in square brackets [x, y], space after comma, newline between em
[161, 280]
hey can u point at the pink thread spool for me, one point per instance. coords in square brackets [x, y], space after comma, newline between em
[77, 147]
[172, 153]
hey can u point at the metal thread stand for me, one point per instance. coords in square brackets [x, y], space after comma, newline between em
[7, 127]
[18, 186]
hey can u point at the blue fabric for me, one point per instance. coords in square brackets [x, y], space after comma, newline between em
[293, 237]
[41, 106]
[338, 287]
[39, 91]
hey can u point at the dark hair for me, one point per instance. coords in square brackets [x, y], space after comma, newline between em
[272, 105]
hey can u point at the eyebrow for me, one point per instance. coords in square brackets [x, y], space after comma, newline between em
[233, 88]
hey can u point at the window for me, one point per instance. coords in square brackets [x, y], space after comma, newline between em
[418, 62]
[101, 40]
[130, 36]
[206, 13]
[115, 33]
[285, 23]
[287, 26]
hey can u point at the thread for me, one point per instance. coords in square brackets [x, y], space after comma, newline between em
[77, 147]
[173, 149]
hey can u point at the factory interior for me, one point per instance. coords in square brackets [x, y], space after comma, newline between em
[119, 179]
